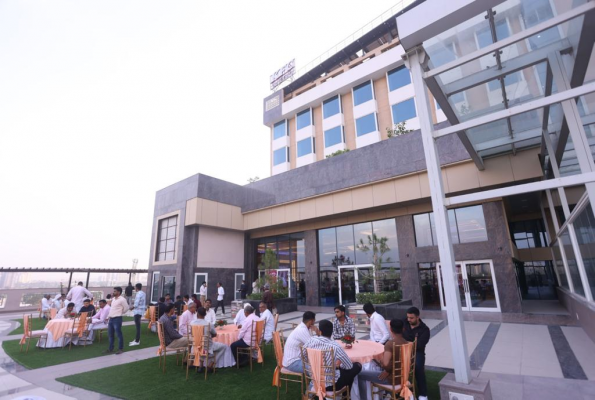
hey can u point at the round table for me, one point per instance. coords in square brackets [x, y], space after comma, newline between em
[227, 334]
[364, 351]
[56, 328]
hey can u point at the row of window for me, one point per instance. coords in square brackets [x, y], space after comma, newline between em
[166, 239]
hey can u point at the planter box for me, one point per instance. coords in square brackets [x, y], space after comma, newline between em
[389, 311]
[286, 305]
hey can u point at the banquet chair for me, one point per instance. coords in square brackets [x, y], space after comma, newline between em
[29, 334]
[163, 349]
[327, 375]
[53, 313]
[152, 316]
[276, 321]
[402, 381]
[80, 329]
[256, 337]
[201, 345]
[281, 373]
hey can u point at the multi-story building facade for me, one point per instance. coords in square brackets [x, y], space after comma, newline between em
[322, 215]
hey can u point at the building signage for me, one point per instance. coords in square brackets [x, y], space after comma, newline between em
[282, 74]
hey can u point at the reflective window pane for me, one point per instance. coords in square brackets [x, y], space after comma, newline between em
[327, 246]
[423, 232]
[404, 111]
[398, 78]
[331, 107]
[280, 130]
[365, 124]
[387, 229]
[333, 136]
[280, 156]
[166, 239]
[304, 147]
[362, 234]
[471, 224]
[362, 93]
[584, 226]
[304, 119]
[572, 266]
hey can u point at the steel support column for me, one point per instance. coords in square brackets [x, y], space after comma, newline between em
[415, 60]
[559, 242]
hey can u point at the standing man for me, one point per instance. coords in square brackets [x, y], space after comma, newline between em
[378, 329]
[415, 328]
[243, 289]
[45, 306]
[77, 294]
[119, 307]
[59, 301]
[255, 288]
[343, 325]
[203, 292]
[220, 296]
[267, 297]
[128, 292]
[139, 308]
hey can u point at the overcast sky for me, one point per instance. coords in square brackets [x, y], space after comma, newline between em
[102, 103]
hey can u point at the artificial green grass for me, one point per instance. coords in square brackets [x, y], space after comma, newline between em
[144, 380]
[39, 357]
[39, 324]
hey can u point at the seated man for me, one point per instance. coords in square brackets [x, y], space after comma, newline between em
[161, 307]
[168, 299]
[45, 306]
[378, 329]
[343, 325]
[194, 299]
[186, 299]
[292, 359]
[59, 300]
[173, 340]
[179, 303]
[65, 312]
[211, 317]
[346, 370]
[88, 308]
[245, 335]
[269, 324]
[99, 321]
[214, 347]
[396, 327]
[240, 316]
[187, 318]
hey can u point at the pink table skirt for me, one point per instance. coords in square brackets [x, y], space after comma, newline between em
[58, 327]
[227, 335]
[364, 351]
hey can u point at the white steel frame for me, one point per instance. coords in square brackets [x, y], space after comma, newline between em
[262, 273]
[355, 269]
[197, 288]
[236, 288]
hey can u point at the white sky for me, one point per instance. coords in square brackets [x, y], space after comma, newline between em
[102, 103]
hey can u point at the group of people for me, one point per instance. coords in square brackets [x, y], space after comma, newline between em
[324, 337]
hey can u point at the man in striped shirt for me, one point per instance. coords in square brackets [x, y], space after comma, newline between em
[345, 370]
[292, 359]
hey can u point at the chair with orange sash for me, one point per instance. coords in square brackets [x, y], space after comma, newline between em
[281, 373]
[53, 312]
[79, 330]
[319, 372]
[152, 310]
[402, 381]
[29, 334]
[163, 349]
[199, 349]
[254, 346]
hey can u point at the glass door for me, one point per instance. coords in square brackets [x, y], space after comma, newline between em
[355, 279]
[238, 284]
[199, 278]
[169, 286]
[460, 283]
[284, 276]
[155, 287]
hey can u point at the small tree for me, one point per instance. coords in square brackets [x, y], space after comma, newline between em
[397, 130]
[379, 247]
[337, 153]
[269, 262]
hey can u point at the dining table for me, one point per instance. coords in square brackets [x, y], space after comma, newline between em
[364, 352]
[227, 334]
[56, 330]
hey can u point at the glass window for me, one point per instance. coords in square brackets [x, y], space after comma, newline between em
[387, 228]
[560, 265]
[155, 288]
[534, 12]
[2, 300]
[423, 231]
[362, 234]
[572, 266]
[404, 110]
[528, 234]
[398, 77]
[467, 225]
[584, 226]
[471, 224]
[166, 239]
[304, 119]
[331, 107]
[442, 55]
[280, 156]
[362, 93]
[327, 247]
[345, 246]
[169, 286]
[333, 136]
[304, 147]
[365, 124]
[280, 130]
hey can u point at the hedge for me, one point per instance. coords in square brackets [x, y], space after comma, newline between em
[379, 298]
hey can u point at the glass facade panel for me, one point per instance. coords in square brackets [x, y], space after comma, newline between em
[404, 110]
[423, 231]
[471, 224]
[283, 252]
[155, 287]
[333, 136]
[362, 234]
[584, 226]
[3, 298]
[362, 93]
[430, 293]
[304, 147]
[331, 107]
[572, 266]
[398, 77]
[280, 156]
[169, 286]
[528, 234]
[327, 247]
[166, 240]
[365, 124]
[387, 229]
[304, 119]
[345, 246]
[280, 130]
[560, 265]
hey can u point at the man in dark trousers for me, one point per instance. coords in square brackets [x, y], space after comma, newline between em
[267, 298]
[415, 328]
[128, 293]
[243, 290]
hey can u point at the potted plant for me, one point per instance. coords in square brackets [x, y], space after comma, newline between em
[348, 340]
[220, 323]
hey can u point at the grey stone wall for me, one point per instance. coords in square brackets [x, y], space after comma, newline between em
[312, 274]
[224, 275]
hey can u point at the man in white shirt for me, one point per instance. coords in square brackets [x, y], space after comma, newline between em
[138, 308]
[210, 317]
[186, 318]
[119, 307]
[65, 311]
[214, 348]
[240, 316]
[220, 295]
[203, 292]
[245, 334]
[269, 324]
[46, 304]
[58, 302]
[378, 328]
[99, 320]
[77, 294]
[292, 359]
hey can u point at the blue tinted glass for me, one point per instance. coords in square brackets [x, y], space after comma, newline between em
[304, 147]
[279, 130]
[362, 93]
[303, 119]
[330, 107]
[508, 80]
[280, 156]
[404, 111]
[442, 55]
[365, 124]
[398, 78]
[333, 136]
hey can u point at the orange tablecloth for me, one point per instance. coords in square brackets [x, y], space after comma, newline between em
[58, 327]
[227, 335]
[364, 351]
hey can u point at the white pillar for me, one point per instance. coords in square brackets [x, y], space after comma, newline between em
[414, 60]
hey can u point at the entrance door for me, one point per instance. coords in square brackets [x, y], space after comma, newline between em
[477, 286]
[354, 279]
[199, 278]
[238, 284]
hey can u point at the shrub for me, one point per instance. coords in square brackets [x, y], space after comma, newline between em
[379, 298]
[276, 296]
